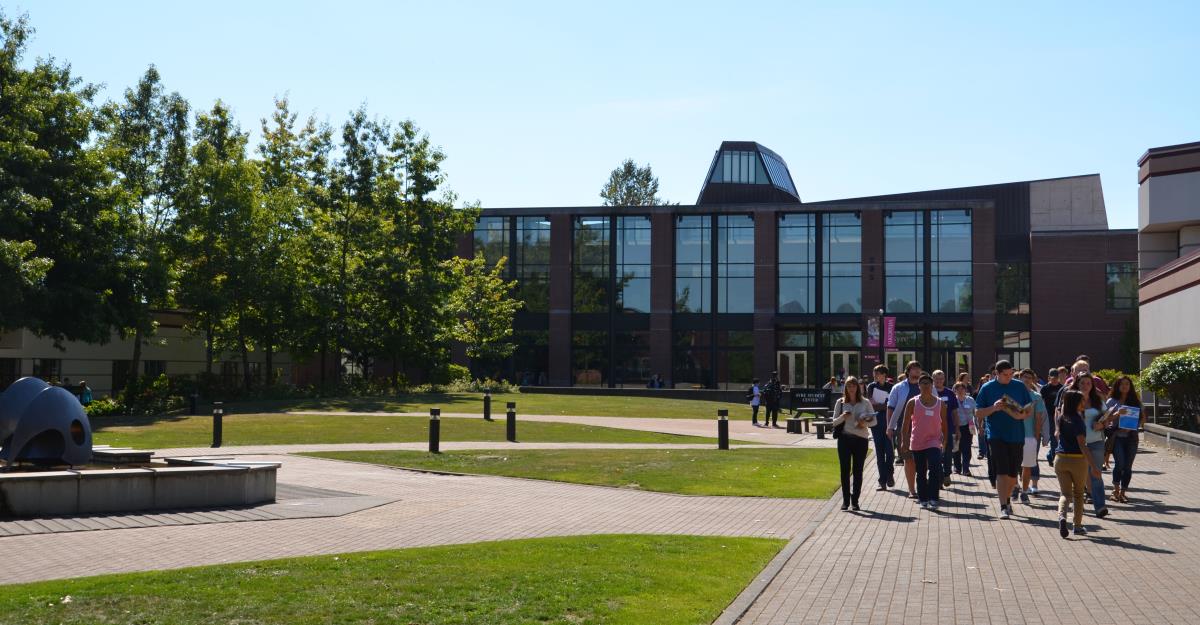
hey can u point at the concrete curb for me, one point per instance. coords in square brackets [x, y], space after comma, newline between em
[737, 609]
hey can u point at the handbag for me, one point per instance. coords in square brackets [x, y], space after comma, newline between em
[840, 428]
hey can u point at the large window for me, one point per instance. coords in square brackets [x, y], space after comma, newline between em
[691, 358]
[631, 358]
[1012, 288]
[693, 264]
[633, 264]
[1121, 288]
[842, 263]
[589, 358]
[739, 167]
[1014, 347]
[735, 358]
[797, 263]
[950, 249]
[735, 264]
[904, 261]
[48, 369]
[491, 238]
[531, 358]
[532, 266]
[591, 267]
[10, 371]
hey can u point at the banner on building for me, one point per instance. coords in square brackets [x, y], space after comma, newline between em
[889, 332]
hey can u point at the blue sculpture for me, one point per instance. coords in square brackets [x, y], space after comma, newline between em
[44, 425]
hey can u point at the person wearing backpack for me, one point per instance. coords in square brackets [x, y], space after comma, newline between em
[771, 394]
[754, 396]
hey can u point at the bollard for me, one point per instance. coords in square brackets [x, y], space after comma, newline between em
[218, 417]
[193, 400]
[511, 429]
[722, 429]
[435, 430]
[487, 406]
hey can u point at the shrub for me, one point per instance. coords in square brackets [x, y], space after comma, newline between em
[1177, 376]
[486, 385]
[104, 407]
[458, 373]
[1110, 377]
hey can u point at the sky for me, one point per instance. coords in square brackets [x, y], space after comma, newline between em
[535, 103]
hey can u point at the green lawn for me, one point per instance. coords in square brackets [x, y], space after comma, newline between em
[527, 403]
[287, 429]
[633, 580]
[793, 473]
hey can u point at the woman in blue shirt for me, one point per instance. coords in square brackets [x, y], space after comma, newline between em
[1126, 441]
[1095, 418]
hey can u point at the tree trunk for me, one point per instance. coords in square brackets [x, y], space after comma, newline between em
[131, 383]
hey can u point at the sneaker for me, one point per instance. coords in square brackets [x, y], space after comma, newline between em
[1079, 531]
[1033, 490]
[1062, 526]
[1004, 512]
[933, 505]
[855, 507]
[946, 482]
[912, 495]
[845, 507]
[899, 462]
[1102, 512]
[881, 487]
[891, 482]
[1024, 497]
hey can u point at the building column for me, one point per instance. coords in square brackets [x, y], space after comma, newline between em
[662, 294]
[560, 301]
[983, 290]
[872, 283]
[766, 290]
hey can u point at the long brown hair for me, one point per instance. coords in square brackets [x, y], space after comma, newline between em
[846, 391]
[1093, 399]
[1130, 400]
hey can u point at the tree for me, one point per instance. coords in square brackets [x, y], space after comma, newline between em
[483, 308]
[630, 185]
[146, 142]
[58, 230]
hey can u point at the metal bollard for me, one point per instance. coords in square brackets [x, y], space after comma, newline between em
[722, 429]
[435, 430]
[511, 429]
[487, 406]
[218, 417]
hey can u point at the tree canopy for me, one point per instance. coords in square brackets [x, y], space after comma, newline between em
[631, 185]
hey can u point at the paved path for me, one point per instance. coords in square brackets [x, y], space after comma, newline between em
[432, 510]
[738, 429]
[258, 450]
[894, 563]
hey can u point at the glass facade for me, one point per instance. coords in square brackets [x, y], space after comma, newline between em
[735, 264]
[531, 358]
[532, 266]
[950, 262]
[631, 358]
[1012, 288]
[904, 261]
[589, 358]
[739, 167]
[491, 238]
[633, 264]
[1121, 286]
[797, 263]
[841, 263]
[691, 358]
[591, 270]
[1013, 345]
[693, 264]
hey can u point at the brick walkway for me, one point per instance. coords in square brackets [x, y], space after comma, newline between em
[895, 563]
[432, 510]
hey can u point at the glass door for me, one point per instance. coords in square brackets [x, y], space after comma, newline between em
[962, 363]
[793, 369]
[843, 364]
[896, 360]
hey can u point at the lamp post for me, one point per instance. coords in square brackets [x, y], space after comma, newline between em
[882, 349]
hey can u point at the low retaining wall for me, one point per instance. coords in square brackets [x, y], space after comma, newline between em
[60, 493]
[732, 397]
[1175, 440]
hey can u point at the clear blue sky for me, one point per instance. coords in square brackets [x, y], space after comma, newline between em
[536, 104]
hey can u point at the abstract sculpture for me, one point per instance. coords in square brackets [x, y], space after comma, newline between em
[44, 425]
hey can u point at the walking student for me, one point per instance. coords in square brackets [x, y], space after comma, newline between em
[754, 394]
[771, 395]
[885, 453]
[944, 393]
[924, 434]
[1073, 466]
[1126, 446]
[983, 446]
[965, 414]
[1049, 393]
[1034, 428]
[856, 415]
[1095, 419]
[903, 391]
[1002, 403]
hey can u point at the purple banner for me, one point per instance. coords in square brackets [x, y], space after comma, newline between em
[889, 332]
[872, 331]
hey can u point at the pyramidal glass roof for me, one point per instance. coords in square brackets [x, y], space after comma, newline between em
[747, 163]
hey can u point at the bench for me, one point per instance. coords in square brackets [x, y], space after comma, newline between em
[822, 425]
[801, 423]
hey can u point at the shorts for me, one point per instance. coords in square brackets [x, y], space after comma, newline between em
[1006, 457]
[1029, 457]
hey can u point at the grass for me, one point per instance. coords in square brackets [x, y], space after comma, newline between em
[527, 403]
[288, 429]
[791, 473]
[613, 580]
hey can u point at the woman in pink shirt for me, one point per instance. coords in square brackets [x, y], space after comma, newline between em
[924, 434]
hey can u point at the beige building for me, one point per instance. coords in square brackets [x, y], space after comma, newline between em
[172, 351]
[1169, 249]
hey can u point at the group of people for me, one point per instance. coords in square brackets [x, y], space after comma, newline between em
[927, 426]
[81, 391]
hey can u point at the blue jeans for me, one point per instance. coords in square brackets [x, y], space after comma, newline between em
[983, 446]
[1096, 449]
[885, 454]
[1123, 454]
[962, 462]
[929, 473]
[1053, 446]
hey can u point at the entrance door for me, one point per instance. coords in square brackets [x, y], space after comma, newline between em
[793, 368]
[844, 364]
[896, 361]
[962, 364]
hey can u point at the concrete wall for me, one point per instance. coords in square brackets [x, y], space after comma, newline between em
[1171, 323]
[1169, 201]
[1075, 203]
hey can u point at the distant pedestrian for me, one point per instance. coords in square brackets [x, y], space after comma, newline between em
[946, 394]
[1123, 395]
[965, 413]
[1049, 393]
[923, 434]
[856, 415]
[85, 393]
[885, 452]
[772, 394]
[1074, 466]
[1034, 428]
[754, 395]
